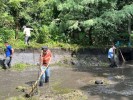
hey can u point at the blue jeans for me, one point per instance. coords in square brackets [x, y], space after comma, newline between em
[7, 62]
[46, 75]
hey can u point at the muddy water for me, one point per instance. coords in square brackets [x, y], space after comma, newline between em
[119, 85]
[10, 80]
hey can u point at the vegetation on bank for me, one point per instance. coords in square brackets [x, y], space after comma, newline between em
[20, 66]
[19, 44]
[61, 23]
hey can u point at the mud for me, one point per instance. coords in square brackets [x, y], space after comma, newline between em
[75, 73]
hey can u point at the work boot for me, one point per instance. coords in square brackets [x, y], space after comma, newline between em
[9, 65]
[5, 67]
[46, 79]
[40, 83]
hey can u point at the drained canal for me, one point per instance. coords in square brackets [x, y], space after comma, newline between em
[72, 72]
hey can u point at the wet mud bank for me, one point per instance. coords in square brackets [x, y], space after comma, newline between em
[84, 57]
[87, 56]
[127, 53]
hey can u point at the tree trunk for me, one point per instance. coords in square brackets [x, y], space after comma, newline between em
[129, 30]
[90, 36]
[16, 28]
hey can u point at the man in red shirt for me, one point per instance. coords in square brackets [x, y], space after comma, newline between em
[45, 59]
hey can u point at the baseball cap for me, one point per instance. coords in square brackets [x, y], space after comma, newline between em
[44, 48]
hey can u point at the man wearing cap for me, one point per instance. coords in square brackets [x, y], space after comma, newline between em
[45, 59]
[111, 54]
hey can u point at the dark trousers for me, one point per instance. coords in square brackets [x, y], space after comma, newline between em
[27, 38]
[112, 62]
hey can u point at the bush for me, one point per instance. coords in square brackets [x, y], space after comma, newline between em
[44, 35]
[6, 34]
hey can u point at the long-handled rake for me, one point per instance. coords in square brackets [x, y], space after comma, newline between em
[34, 86]
[122, 56]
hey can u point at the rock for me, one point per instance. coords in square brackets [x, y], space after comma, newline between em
[98, 82]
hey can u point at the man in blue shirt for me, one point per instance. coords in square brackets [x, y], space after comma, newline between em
[9, 53]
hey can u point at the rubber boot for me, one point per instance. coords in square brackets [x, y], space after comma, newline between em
[47, 79]
[40, 83]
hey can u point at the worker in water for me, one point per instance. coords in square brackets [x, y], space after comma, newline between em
[111, 55]
[45, 59]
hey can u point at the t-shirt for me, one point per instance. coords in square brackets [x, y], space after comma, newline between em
[47, 57]
[27, 31]
[110, 53]
[8, 51]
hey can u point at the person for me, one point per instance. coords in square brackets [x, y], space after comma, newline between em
[9, 54]
[45, 59]
[27, 33]
[111, 55]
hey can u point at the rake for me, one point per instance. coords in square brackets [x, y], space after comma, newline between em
[34, 86]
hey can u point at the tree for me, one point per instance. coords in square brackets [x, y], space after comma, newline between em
[15, 8]
[97, 18]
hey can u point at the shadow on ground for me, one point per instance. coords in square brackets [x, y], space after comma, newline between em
[2, 63]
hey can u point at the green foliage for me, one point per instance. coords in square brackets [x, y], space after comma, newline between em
[60, 90]
[15, 3]
[85, 2]
[44, 35]
[131, 36]
[88, 23]
[54, 30]
[84, 22]
[6, 34]
[20, 66]
[18, 44]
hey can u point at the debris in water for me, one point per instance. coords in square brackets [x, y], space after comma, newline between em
[120, 77]
[98, 82]
[21, 88]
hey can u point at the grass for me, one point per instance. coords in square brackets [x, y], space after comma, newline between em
[20, 66]
[68, 93]
[56, 87]
[61, 64]
[19, 44]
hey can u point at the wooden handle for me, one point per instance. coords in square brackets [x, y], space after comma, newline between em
[122, 55]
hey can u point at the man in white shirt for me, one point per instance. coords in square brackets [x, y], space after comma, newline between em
[27, 34]
[111, 54]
